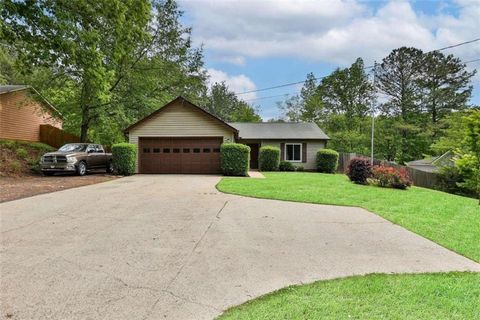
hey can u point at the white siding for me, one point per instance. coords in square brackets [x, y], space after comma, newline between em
[312, 147]
[180, 121]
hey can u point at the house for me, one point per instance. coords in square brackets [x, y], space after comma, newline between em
[184, 138]
[22, 111]
[433, 164]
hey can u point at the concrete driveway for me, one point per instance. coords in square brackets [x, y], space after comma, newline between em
[173, 247]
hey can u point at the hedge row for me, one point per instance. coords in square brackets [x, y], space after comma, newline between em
[235, 159]
[124, 158]
[269, 158]
[327, 160]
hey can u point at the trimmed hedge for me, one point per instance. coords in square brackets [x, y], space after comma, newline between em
[124, 157]
[235, 159]
[286, 166]
[327, 160]
[269, 158]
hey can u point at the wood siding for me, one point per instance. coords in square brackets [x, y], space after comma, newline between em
[312, 147]
[21, 117]
[180, 121]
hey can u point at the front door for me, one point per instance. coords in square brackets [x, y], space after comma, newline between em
[253, 155]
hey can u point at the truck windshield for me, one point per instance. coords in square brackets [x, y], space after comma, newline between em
[73, 148]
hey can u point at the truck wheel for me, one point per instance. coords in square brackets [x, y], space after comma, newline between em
[48, 173]
[82, 168]
[110, 167]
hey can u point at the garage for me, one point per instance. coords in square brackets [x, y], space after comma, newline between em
[179, 154]
[180, 137]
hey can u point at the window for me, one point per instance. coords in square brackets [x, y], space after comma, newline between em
[99, 149]
[166, 150]
[293, 152]
[186, 150]
[216, 150]
[196, 150]
[91, 148]
[206, 150]
[156, 150]
[146, 150]
[176, 150]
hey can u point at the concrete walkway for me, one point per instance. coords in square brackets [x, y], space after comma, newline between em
[173, 247]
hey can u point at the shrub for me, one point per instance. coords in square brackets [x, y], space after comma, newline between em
[235, 159]
[22, 153]
[300, 168]
[389, 177]
[124, 157]
[469, 168]
[269, 158]
[359, 170]
[15, 167]
[450, 179]
[327, 160]
[286, 166]
[34, 165]
[9, 144]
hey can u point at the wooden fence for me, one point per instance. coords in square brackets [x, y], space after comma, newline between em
[419, 178]
[56, 137]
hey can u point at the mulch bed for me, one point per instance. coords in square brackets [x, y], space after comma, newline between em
[12, 188]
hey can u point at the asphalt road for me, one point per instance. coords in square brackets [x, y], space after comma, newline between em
[173, 247]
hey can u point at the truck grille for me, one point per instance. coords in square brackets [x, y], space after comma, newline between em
[55, 159]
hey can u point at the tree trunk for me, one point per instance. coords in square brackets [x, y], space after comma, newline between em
[85, 124]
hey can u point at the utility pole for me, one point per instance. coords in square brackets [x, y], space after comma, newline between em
[373, 110]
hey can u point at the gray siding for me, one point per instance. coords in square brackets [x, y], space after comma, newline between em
[312, 147]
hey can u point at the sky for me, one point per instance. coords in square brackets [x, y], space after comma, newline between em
[257, 44]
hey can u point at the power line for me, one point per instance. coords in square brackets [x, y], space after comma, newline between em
[269, 97]
[286, 94]
[368, 67]
[470, 61]
[457, 45]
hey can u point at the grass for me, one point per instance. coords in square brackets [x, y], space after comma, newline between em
[19, 158]
[376, 296]
[449, 220]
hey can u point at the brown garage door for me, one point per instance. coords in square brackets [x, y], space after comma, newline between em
[179, 155]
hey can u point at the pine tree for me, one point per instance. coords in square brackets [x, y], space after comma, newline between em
[444, 84]
[397, 80]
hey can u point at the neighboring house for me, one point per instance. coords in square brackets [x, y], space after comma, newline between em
[22, 111]
[184, 138]
[433, 164]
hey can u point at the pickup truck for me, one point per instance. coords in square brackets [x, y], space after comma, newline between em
[78, 158]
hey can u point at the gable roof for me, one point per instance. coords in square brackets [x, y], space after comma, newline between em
[184, 102]
[433, 164]
[12, 88]
[279, 130]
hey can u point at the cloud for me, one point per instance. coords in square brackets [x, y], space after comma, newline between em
[238, 83]
[235, 60]
[334, 31]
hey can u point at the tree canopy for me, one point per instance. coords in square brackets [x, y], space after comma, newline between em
[105, 64]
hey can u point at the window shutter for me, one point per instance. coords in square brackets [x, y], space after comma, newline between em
[304, 152]
[282, 151]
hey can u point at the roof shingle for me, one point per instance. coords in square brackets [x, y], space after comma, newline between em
[279, 130]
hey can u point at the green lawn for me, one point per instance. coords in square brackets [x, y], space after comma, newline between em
[376, 296]
[449, 220]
